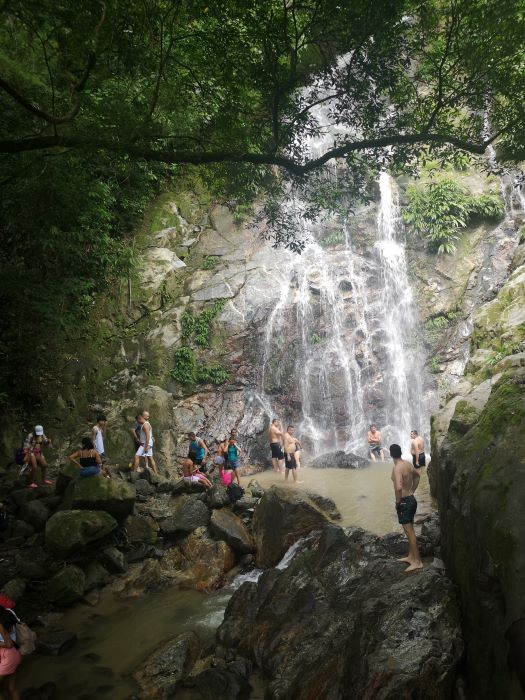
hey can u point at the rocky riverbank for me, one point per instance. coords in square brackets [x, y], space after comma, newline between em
[134, 534]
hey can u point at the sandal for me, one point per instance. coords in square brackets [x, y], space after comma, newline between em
[33, 486]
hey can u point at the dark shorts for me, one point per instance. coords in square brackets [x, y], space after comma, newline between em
[277, 450]
[406, 510]
[289, 461]
[375, 448]
[420, 461]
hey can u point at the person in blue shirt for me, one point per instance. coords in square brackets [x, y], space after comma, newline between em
[198, 452]
[233, 452]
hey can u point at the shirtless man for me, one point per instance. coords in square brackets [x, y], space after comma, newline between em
[417, 448]
[374, 443]
[292, 446]
[406, 479]
[145, 448]
[275, 437]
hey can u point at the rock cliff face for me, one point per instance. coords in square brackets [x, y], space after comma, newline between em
[478, 475]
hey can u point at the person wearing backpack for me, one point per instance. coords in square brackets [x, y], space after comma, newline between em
[33, 448]
[10, 657]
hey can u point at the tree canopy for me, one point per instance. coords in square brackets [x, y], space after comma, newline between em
[103, 101]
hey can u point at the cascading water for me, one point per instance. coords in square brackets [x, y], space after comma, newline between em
[340, 345]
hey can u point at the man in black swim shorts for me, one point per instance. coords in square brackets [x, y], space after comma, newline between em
[291, 465]
[275, 436]
[406, 479]
[417, 448]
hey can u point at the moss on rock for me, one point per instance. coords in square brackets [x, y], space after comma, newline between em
[69, 530]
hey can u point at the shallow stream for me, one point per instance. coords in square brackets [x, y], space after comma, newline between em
[116, 635]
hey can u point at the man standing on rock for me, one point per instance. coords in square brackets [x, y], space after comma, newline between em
[406, 479]
[98, 433]
[417, 448]
[275, 437]
[374, 443]
[145, 448]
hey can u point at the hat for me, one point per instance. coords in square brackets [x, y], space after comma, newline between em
[39, 430]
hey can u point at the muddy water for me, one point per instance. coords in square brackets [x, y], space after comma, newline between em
[365, 497]
[117, 635]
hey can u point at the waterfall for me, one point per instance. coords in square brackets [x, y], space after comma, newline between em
[403, 366]
[340, 347]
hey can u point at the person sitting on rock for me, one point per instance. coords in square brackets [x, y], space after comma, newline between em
[192, 475]
[88, 460]
[406, 480]
[10, 657]
[374, 443]
[33, 455]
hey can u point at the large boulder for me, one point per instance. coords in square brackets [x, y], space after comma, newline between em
[228, 527]
[69, 530]
[281, 517]
[188, 514]
[478, 476]
[114, 496]
[198, 562]
[339, 460]
[35, 513]
[358, 627]
[172, 662]
[141, 529]
[66, 586]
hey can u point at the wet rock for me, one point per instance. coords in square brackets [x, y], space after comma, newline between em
[140, 529]
[69, 530]
[114, 560]
[281, 517]
[339, 460]
[21, 529]
[464, 417]
[255, 489]
[147, 579]
[360, 627]
[326, 504]
[145, 551]
[217, 497]
[67, 586]
[113, 496]
[167, 666]
[96, 576]
[395, 543]
[32, 565]
[55, 642]
[245, 504]
[198, 562]
[226, 683]
[189, 513]
[144, 488]
[228, 527]
[35, 513]
[431, 530]
[14, 589]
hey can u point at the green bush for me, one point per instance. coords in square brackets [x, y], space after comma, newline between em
[184, 370]
[437, 211]
[214, 373]
[199, 327]
[522, 234]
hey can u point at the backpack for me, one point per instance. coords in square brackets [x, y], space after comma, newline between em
[25, 637]
[235, 492]
[19, 456]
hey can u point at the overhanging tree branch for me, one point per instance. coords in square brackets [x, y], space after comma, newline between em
[200, 158]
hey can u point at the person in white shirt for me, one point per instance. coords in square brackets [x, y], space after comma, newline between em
[145, 448]
[97, 435]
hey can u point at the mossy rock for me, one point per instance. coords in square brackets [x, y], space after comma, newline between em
[70, 530]
[67, 586]
[465, 416]
[114, 496]
[141, 529]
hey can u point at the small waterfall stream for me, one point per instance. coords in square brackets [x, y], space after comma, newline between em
[340, 345]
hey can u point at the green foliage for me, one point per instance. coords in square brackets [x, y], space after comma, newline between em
[184, 370]
[522, 234]
[439, 210]
[241, 212]
[315, 339]
[209, 262]
[505, 349]
[214, 373]
[333, 239]
[440, 321]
